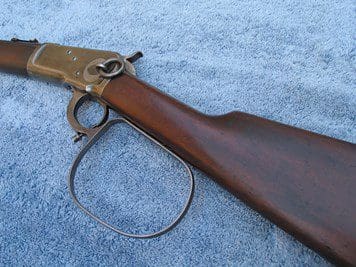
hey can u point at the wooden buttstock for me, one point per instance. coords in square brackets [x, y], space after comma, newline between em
[302, 181]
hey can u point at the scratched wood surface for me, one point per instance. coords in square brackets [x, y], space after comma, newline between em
[302, 181]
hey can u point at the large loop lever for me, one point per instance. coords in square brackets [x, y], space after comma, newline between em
[93, 139]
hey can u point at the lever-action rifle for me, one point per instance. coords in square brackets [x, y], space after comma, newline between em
[302, 181]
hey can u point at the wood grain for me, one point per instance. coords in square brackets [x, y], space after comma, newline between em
[302, 181]
[14, 56]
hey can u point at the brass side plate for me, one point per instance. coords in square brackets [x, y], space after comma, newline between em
[69, 65]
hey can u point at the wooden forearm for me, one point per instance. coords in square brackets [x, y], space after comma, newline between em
[14, 56]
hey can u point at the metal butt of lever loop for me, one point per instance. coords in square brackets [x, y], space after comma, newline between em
[93, 139]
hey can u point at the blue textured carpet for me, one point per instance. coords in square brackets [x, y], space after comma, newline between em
[290, 61]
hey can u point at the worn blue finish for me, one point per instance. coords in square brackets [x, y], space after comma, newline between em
[290, 61]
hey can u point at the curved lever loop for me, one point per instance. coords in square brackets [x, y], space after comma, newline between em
[90, 143]
[75, 103]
